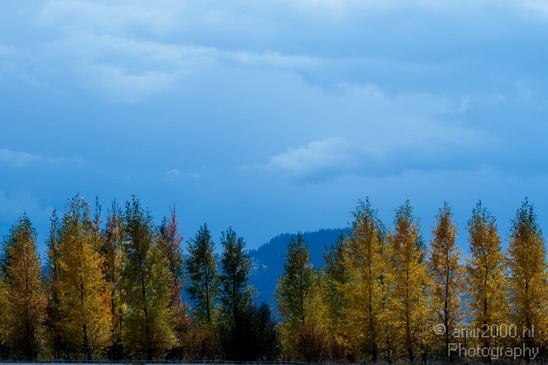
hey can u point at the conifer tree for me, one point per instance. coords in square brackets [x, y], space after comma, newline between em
[170, 242]
[235, 296]
[409, 300]
[112, 250]
[203, 288]
[148, 322]
[294, 293]
[24, 296]
[84, 294]
[447, 276]
[365, 266]
[53, 313]
[487, 284]
[528, 282]
[336, 279]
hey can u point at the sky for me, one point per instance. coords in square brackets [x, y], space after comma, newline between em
[274, 116]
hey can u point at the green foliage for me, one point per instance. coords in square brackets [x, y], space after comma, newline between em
[203, 286]
[294, 293]
[148, 331]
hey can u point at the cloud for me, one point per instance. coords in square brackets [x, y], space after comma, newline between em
[22, 159]
[105, 17]
[176, 173]
[327, 156]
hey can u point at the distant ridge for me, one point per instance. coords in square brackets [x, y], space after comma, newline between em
[268, 259]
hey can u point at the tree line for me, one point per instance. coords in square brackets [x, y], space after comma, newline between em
[114, 290]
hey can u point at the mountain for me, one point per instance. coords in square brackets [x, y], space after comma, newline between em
[268, 260]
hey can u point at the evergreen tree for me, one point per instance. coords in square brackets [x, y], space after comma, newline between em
[148, 322]
[112, 250]
[203, 288]
[447, 276]
[336, 280]
[528, 283]
[170, 242]
[236, 298]
[84, 294]
[24, 296]
[486, 267]
[365, 266]
[294, 293]
[409, 300]
[53, 313]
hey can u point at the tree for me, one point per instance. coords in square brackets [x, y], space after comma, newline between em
[84, 294]
[447, 275]
[486, 267]
[170, 242]
[203, 288]
[24, 296]
[112, 251]
[148, 321]
[294, 293]
[236, 298]
[528, 280]
[53, 312]
[409, 302]
[336, 280]
[363, 291]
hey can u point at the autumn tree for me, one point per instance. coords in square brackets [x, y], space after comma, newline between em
[148, 330]
[112, 251]
[447, 276]
[203, 286]
[365, 266]
[84, 294]
[409, 302]
[486, 267]
[528, 280]
[24, 295]
[4, 350]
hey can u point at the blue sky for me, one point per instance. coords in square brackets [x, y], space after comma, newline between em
[274, 116]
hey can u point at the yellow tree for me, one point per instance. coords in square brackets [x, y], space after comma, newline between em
[528, 280]
[487, 284]
[25, 300]
[84, 294]
[410, 296]
[447, 276]
[365, 269]
[111, 248]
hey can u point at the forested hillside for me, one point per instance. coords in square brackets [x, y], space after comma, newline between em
[268, 260]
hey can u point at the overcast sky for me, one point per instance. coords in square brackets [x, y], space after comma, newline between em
[274, 116]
